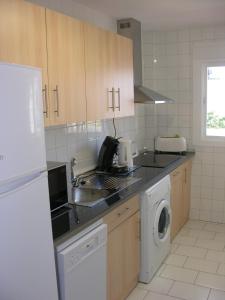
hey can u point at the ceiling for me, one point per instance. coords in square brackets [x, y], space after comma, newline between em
[163, 14]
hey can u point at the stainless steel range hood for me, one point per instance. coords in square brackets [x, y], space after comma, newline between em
[131, 28]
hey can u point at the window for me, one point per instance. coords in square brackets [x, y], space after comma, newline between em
[215, 100]
[209, 95]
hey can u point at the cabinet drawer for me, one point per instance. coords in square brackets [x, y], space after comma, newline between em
[121, 213]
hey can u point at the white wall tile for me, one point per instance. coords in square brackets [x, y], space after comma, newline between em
[177, 66]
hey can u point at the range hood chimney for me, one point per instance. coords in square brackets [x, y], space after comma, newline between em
[131, 28]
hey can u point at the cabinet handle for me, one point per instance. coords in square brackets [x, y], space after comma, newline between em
[139, 228]
[185, 175]
[118, 92]
[112, 91]
[177, 173]
[123, 212]
[56, 90]
[45, 101]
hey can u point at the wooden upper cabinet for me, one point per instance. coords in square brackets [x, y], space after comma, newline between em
[22, 33]
[109, 74]
[23, 37]
[120, 70]
[65, 47]
[124, 97]
[98, 76]
[87, 72]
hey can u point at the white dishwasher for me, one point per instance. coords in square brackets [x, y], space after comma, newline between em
[81, 261]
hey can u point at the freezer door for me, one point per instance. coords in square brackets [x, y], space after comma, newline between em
[26, 253]
[22, 147]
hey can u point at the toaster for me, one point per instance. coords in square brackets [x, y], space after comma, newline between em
[170, 144]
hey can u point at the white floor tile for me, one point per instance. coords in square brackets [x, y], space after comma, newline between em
[215, 227]
[201, 234]
[137, 294]
[158, 273]
[177, 273]
[184, 231]
[176, 260]
[192, 224]
[211, 280]
[210, 244]
[154, 296]
[195, 269]
[189, 291]
[173, 247]
[185, 240]
[218, 256]
[221, 270]
[191, 251]
[216, 295]
[158, 285]
[201, 265]
[220, 236]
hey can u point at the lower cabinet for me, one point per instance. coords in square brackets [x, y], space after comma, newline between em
[123, 249]
[180, 197]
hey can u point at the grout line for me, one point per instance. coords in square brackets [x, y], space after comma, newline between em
[205, 256]
[186, 259]
[196, 278]
[218, 268]
[146, 295]
[209, 294]
[172, 285]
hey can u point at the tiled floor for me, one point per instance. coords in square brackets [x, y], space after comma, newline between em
[195, 269]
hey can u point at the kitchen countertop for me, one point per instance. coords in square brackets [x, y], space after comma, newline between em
[68, 222]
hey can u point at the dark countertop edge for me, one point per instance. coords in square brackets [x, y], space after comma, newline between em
[165, 171]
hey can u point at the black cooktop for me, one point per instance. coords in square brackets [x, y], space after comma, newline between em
[155, 160]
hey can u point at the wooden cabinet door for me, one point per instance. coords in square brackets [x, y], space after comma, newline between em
[115, 285]
[65, 46]
[123, 258]
[124, 97]
[131, 253]
[98, 74]
[186, 191]
[176, 201]
[23, 38]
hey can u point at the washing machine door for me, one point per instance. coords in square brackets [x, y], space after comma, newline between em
[162, 222]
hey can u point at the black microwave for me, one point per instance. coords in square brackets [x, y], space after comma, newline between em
[57, 184]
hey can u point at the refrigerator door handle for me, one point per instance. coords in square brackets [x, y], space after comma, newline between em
[13, 186]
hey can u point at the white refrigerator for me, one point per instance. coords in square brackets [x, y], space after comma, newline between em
[27, 265]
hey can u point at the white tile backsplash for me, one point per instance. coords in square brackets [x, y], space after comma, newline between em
[172, 75]
[83, 141]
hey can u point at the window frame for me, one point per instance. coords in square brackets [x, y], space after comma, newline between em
[200, 103]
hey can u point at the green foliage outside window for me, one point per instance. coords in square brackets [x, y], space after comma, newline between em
[215, 121]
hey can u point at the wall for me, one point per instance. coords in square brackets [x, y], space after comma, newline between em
[172, 76]
[83, 141]
[79, 11]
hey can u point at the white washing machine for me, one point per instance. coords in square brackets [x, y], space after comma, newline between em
[155, 228]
